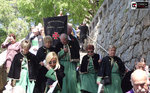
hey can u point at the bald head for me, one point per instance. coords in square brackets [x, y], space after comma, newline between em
[138, 75]
[139, 81]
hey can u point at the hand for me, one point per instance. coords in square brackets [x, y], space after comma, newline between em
[48, 67]
[41, 63]
[65, 50]
[99, 61]
[98, 83]
[8, 37]
[50, 86]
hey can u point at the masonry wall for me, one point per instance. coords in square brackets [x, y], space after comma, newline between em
[129, 30]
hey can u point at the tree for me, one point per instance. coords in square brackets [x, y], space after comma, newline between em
[78, 10]
[19, 27]
[6, 13]
[11, 21]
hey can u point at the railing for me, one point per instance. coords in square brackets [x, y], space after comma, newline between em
[98, 44]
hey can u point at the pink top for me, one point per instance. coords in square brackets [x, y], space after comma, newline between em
[12, 50]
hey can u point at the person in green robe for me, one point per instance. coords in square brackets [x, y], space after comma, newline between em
[55, 72]
[113, 69]
[24, 68]
[67, 56]
[88, 71]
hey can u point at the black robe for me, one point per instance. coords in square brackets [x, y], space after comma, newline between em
[40, 83]
[85, 62]
[74, 49]
[15, 69]
[105, 69]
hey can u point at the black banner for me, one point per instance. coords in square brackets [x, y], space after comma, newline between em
[55, 26]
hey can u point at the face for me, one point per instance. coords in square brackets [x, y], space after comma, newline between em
[52, 63]
[47, 44]
[112, 52]
[35, 31]
[140, 85]
[69, 30]
[90, 52]
[64, 41]
[25, 50]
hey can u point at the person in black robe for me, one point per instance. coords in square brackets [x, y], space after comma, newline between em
[74, 49]
[41, 55]
[111, 71]
[72, 38]
[24, 68]
[53, 66]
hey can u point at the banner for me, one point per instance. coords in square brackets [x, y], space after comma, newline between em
[55, 26]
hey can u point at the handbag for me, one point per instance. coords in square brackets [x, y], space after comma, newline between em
[107, 79]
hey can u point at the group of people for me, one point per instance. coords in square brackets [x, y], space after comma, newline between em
[34, 65]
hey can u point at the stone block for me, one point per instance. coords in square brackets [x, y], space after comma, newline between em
[143, 13]
[138, 50]
[146, 46]
[132, 31]
[146, 21]
[146, 33]
[148, 58]
[136, 39]
[127, 55]
[138, 29]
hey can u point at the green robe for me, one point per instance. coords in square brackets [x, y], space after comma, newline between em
[115, 86]
[88, 80]
[24, 81]
[52, 75]
[70, 79]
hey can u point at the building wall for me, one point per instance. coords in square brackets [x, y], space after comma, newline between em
[129, 30]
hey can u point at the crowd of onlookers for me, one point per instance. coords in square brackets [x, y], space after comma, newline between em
[34, 65]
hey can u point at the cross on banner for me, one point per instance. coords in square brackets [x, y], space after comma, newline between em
[55, 35]
[54, 27]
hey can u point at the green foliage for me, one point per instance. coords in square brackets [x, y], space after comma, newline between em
[11, 21]
[19, 27]
[6, 13]
[78, 10]
[3, 35]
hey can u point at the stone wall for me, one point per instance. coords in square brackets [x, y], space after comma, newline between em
[129, 30]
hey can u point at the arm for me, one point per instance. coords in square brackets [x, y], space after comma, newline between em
[5, 43]
[61, 54]
[51, 74]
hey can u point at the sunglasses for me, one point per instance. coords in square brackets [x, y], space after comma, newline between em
[90, 51]
[52, 62]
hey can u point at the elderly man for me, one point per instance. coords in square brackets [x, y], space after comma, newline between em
[71, 37]
[69, 58]
[139, 82]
